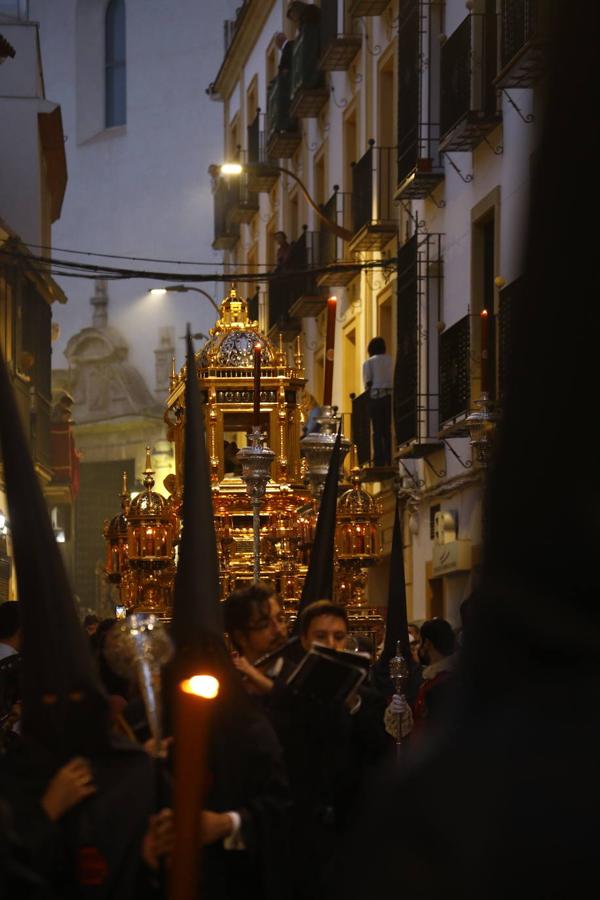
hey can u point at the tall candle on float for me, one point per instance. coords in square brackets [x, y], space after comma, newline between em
[329, 351]
[256, 416]
[484, 316]
[193, 707]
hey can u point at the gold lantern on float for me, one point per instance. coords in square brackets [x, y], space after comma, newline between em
[283, 538]
[115, 535]
[358, 542]
[151, 533]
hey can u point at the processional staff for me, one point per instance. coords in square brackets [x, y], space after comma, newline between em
[399, 677]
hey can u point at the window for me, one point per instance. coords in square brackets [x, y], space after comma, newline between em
[114, 65]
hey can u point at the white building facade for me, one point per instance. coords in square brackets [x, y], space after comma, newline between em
[140, 132]
[413, 125]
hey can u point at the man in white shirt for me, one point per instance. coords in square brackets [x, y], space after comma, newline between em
[378, 373]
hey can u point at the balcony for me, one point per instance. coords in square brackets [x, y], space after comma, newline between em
[525, 27]
[262, 177]
[244, 201]
[309, 300]
[308, 93]
[415, 395]
[468, 108]
[293, 291]
[358, 8]
[282, 133]
[373, 214]
[339, 42]
[338, 209]
[455, 374]
[420, 167]
[227, 232]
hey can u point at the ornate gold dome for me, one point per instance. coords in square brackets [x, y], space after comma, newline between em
[232, 340]
[148, 503]
[117, 527]
[357, 502]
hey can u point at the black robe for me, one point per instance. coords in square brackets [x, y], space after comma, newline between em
[94, 850]
[505, 806]
[330, 756]
[247, 775]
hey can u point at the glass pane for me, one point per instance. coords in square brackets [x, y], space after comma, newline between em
[116, 109]
[115, 32]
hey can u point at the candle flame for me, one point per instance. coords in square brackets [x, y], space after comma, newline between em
[484, 314]
[202, 686]
[333, 297]
[258, 346]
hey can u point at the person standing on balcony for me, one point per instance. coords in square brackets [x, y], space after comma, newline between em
[286, 46]
[303, 13]
[283, 250]
[378, 372]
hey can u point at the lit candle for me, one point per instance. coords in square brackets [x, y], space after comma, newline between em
[484, 350]
[192, 716]
[329, 351]
[256, 418]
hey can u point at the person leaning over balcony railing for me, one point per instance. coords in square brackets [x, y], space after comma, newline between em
[378, 371]
[286, 46]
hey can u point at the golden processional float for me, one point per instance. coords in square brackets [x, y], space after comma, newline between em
[266, 479]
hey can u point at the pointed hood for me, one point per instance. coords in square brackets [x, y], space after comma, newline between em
[396, 627]
[64, 705]
[197, 615]
[538, 593]
[318, 584]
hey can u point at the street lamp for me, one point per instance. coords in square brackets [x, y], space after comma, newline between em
[183, 289]
[235, 168]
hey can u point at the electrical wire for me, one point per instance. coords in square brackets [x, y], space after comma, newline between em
[174, 262]
[66, 268]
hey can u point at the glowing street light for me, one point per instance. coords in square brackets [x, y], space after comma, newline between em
[236, 168]
[182, 289]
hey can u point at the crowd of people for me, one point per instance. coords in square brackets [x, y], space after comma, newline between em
[493, 790]
[289, 764]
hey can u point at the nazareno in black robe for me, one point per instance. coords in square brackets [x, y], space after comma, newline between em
[94, 850]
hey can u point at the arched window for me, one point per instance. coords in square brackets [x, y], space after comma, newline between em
[115, 93]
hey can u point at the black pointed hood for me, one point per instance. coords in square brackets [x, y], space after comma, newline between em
[318, 584]
[197, 616]
[64, 705]
[396, 626]
[537, 601]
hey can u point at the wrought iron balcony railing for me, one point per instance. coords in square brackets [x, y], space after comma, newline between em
[373, 183]
[244, 204]
[309, 92]
[455, 371]
[340, 41]
[415, 400]
[283, 134]
[227, 231]
[525, 27]
[420, 168]
[261, 175]
[332, 250]
[293, 286]
[468, 108]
